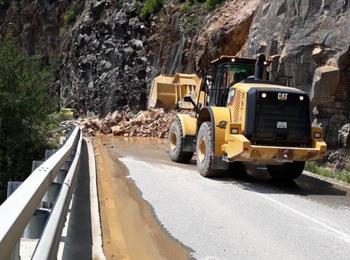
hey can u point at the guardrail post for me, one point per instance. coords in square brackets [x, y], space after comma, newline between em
[11, 187]
[55, 187]
[48, 153]
[37, 224]
[36, 164]
[17, 217]
[62, 140]
[51, 195]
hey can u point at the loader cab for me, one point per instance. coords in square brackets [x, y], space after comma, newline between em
[227, 71]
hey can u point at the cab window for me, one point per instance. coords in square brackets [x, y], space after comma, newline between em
[231, 95]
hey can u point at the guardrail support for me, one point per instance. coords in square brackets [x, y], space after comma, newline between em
[50, 196]
[36, 164]
[17, 211]
[48, 153]
[37, 224]
[62, 140]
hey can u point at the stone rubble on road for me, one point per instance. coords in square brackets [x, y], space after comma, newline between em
[148, 123]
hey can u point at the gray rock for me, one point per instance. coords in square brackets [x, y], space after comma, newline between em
[343, 135]
[325, 83]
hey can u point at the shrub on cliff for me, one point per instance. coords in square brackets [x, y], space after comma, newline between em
[211, 4]
[69, 15]
[3, 2]
[24, 107]
[151, 7]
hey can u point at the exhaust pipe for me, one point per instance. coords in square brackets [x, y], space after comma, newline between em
[260, 68]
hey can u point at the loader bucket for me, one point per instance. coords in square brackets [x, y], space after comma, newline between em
[168, 91]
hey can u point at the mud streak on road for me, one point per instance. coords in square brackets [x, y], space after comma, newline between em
[129, 228]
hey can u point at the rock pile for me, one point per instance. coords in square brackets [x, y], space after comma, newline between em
[149, 123]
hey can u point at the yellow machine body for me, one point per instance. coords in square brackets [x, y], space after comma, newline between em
[169, 91]
[235, 146]
[68, 113]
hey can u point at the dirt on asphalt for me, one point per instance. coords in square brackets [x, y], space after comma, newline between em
[129, 228]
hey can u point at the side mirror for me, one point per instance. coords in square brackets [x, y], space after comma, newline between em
[208, 83]
[188, 99]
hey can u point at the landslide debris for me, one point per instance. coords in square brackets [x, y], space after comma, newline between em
[148, 123]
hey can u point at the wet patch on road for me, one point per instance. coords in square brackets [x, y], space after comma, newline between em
[129, 228]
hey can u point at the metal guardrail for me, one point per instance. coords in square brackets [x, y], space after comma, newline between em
[18, 209]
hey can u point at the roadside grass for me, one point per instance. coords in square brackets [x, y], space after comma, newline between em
[343, 175]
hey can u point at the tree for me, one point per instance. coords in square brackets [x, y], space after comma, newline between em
[24, 108]
[151, 7]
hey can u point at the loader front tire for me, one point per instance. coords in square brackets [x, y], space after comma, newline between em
[286, 171]
[176, 144]
[204, 150]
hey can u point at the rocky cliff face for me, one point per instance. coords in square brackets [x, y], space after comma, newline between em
[310, 41]
[100, 50]
[36, 24]
[109, 55]
[103, 62]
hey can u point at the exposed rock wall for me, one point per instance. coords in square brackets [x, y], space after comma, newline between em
[104, 67]
[226, 32]
[36, 24]
[311, 40]
[109, 55]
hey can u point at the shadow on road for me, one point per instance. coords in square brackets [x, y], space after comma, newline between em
[258, 180]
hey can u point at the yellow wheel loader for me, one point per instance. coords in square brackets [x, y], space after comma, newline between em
[169, 91]
[246, 119]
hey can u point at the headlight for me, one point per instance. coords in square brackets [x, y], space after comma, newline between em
[317, 135]
[234, 131]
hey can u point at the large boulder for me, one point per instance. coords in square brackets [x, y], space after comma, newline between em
[226, 31]
[325, 83]
[343, 135]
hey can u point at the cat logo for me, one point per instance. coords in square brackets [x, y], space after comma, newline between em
[282, 96]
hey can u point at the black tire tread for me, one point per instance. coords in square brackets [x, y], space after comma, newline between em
[179, 155]
[206, 168]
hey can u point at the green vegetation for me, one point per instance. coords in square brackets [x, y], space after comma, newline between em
[3, 2]
[192, 17]
[343, 175]
[151, 7]
[185, 7]
[211, 4]
[24, 109]
[70, 15]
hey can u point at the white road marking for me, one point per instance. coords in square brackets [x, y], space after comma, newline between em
[345, 237]
[273, 235]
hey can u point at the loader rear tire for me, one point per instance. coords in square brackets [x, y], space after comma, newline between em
[204, 150]
[176, 144]
[286, 171]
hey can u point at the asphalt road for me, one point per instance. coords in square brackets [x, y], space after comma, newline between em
[229, 218]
